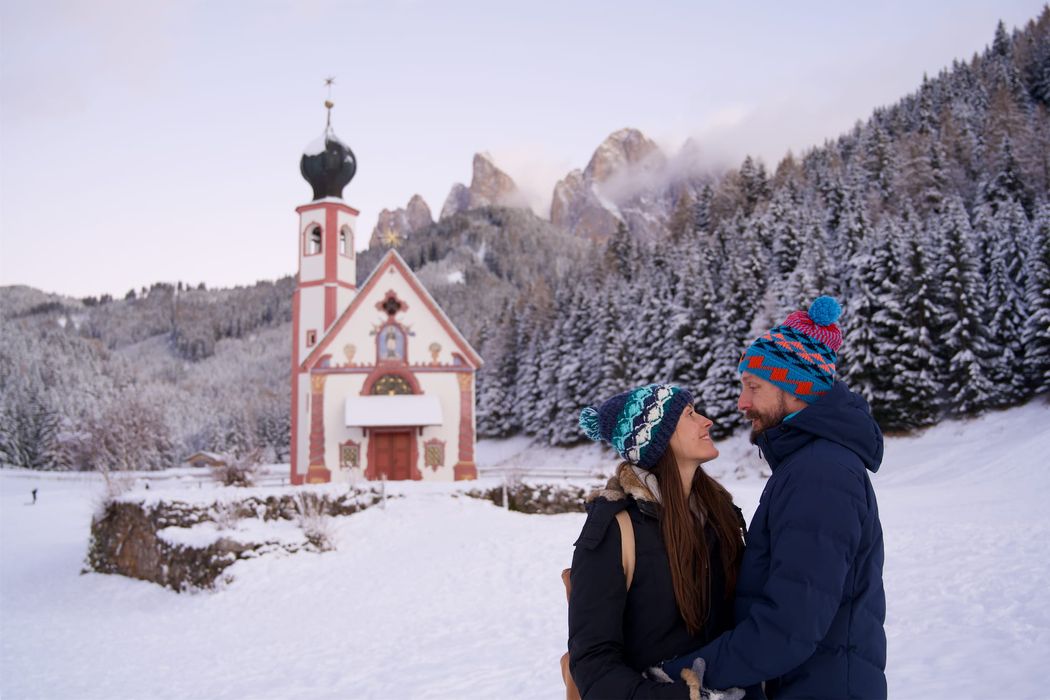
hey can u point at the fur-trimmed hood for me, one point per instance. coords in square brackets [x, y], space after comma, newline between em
[638, 483]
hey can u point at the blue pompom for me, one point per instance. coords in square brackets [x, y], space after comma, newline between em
[590, 424]
[824, 311]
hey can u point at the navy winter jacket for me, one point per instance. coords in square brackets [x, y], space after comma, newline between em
[810, 605]
[616, 634]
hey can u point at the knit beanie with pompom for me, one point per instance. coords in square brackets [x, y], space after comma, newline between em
[799, 354]
[638, 423]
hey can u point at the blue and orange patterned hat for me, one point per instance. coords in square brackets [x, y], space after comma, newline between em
[638, 423]
[799, 355]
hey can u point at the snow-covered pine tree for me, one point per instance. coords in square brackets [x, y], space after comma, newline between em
[785, 226]
[496, 413]
[813, 274]
[869, 322]
[916, 365]
[1036, 334]
[1006, 302]
[692, 333]
[963, 336]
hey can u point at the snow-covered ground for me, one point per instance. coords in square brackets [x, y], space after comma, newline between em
[442, 596]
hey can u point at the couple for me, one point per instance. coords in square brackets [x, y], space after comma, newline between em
[797, 614]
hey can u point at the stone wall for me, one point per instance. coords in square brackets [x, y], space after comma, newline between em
[125, 540]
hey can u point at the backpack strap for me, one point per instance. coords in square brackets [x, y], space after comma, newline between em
[623, 519]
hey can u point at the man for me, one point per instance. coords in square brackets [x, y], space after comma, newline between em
[810, 603]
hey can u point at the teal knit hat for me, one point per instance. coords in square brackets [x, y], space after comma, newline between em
[638, 423]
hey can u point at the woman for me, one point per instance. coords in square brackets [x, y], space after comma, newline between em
[689, 543]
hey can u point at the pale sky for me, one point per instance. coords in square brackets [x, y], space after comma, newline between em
[145, 141]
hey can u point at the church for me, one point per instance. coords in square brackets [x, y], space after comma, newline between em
[382, 381]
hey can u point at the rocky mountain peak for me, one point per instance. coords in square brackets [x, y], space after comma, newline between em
[488, 186]
[623, 150]
[401, 222]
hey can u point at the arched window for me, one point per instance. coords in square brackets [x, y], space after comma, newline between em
[346, 241]
[313, 243]
[391, 385]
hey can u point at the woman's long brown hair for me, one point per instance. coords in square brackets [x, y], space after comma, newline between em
[686, 542]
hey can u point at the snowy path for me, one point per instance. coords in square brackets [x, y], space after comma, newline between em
[444, 597]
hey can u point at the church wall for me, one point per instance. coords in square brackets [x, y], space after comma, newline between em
[311, 316]
[446, 387]
[337, 388]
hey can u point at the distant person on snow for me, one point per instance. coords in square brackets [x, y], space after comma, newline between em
[688, 546]
[810, 605]
[34, 496]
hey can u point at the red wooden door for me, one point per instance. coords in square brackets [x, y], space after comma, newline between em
[393, 455]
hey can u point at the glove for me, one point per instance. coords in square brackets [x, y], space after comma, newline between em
[694, 678]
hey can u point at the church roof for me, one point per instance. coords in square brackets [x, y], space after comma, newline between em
[393, 258]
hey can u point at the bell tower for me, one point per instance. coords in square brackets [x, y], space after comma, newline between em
[325, 286]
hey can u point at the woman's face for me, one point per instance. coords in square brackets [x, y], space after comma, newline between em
[691, 440]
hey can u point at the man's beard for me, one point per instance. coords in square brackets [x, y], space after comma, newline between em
[767, 420]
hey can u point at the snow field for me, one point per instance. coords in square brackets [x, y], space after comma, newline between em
[443, 596]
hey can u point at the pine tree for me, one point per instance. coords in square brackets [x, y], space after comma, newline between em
[1006, 302]
[916, 362]
[964, 340]
[866, 346]
[1036, 335]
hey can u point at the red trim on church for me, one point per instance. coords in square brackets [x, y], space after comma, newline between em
[465, 467]
[321, 283]
[317, 472]
[324, 204]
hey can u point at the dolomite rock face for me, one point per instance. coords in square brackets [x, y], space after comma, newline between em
[489, 186]
[625, 181]
[458, 200]
[577, 207]
[623, 151]
[402, 222]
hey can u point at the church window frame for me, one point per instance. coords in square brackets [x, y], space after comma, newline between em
[392, 385]
[313, 240]
[346, 237]
[434, 453]
[349, 454]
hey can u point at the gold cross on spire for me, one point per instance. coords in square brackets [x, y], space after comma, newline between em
[329, 82]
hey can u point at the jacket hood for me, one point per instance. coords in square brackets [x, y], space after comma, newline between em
[841, 416]
[630, 481]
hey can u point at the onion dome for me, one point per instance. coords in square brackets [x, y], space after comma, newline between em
[328, 164]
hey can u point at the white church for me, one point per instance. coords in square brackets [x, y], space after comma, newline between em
[382, 382]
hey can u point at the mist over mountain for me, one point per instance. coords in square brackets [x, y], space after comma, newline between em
[929, 221]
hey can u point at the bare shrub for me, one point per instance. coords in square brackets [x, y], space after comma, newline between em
[315, 521]
[240, 470]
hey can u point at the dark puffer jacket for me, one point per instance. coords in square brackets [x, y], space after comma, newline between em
[615, 634]
[810, 602]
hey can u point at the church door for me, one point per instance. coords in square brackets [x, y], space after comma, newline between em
[393, 455]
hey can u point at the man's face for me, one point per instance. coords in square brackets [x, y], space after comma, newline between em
[762, 403]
